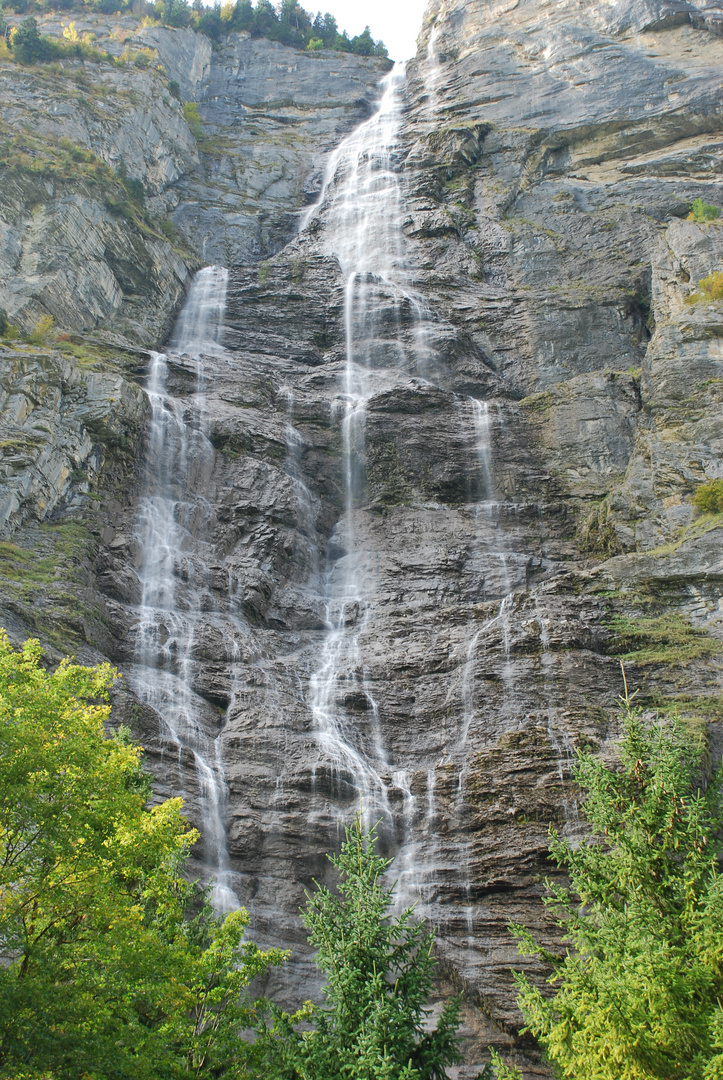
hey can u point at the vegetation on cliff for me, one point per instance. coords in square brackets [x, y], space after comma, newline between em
[286, 22]
[638, 987]
[709, 496]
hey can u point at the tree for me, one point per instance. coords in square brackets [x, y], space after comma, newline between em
[638, 989]
[378, 977]
[28, 45]
[111, 964]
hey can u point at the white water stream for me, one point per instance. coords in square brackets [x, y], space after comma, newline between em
[388, 341]
[362, 200]
[174, 576]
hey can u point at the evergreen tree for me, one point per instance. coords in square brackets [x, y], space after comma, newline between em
[28, 45]
[638, 990]
[378, 971]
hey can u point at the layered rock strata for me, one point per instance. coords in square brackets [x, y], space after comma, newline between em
[525, 512]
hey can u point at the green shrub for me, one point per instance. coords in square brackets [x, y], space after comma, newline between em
[39, 334]
[134, 188]
[709, 496]
[29, 46]
[701, 212]
[709, 289]
[175, 89]
[4, 324]
[193, 119]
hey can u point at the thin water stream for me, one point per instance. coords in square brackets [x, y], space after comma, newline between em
[172, 532]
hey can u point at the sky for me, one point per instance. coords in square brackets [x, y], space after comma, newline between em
[396, 22]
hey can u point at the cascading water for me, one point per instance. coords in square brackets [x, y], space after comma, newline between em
[363, 202]
[174, 575]
[390, 336]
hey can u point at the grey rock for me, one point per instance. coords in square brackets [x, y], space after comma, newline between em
[546, 163]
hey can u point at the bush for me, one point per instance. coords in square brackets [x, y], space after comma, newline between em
[4, 324]
[39, 334]
[701, 212]
[174, 89]
[193, 118]
[709, 289]
[709, 497]
[29, 46]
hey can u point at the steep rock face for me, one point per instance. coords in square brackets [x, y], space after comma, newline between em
[229, 194]
[526, 510]
[71, 426]
[72, 245]
[269, 114]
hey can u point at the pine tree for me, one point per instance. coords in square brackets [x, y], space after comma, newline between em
[378, 972]
[638, 988]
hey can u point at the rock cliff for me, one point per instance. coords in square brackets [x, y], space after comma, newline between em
[541, 404]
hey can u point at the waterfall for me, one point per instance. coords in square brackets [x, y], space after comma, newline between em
[172, 532]
[362, 196]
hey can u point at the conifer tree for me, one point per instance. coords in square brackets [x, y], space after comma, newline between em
[638, 987]
[379, 971]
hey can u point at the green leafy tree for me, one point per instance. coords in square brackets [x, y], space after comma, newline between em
[638, 988]
[709, 496]
[378, 971]
[702, 211]
[105, 972]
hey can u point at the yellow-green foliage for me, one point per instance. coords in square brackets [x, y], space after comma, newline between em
[709, 496]
[709, 289]
[701, 212]
[634, 990]
[660, 639]
[193, 118]
[93, 903]
[42, 328]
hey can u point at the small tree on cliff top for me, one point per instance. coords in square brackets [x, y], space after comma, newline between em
[638, 991]
[378, 978]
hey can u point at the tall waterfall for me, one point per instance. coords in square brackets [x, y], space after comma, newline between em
[172, 533]
[390, 342]
[362, 201]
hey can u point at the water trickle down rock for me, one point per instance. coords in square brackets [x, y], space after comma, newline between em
[174, 538]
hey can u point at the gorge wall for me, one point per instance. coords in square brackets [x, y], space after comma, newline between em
[407, 575]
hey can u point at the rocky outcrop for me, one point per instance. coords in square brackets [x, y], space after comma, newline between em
[81, 245]
[527, 507]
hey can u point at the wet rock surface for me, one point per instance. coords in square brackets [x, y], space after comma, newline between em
[547, 161]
